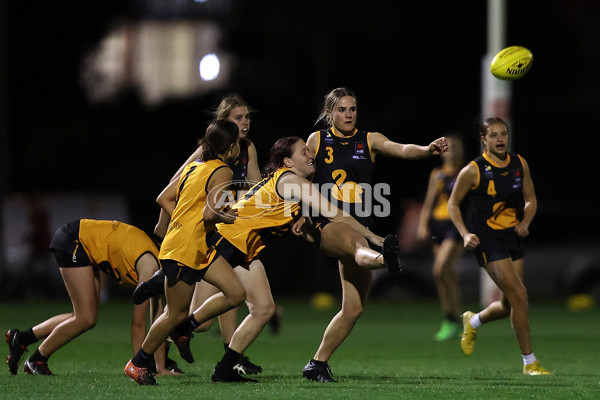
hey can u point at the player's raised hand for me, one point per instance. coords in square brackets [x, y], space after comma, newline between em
[438, 146]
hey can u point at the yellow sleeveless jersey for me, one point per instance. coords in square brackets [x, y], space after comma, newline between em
[115, 247]
[262, 214]
[185, 241]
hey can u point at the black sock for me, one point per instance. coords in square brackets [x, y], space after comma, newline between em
[37, 356]
[143, 359]
[27, 337]
[226, 346]
[322, 363]
[230, 358]
[188, 326]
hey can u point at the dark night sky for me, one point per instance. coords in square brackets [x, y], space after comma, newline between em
[415, 68]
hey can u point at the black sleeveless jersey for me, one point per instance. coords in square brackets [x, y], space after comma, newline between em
[344, 172]
[496, 202]
[239, 166]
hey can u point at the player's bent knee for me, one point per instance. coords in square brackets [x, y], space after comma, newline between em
[269, 311]
[352, 312]
[174, 317]
[86, 323]
[517, 297]
[238, 297]
[521, 298]
[265, 312]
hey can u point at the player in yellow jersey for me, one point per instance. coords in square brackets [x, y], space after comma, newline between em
[82, 249]
[235, 109]
[245, 174]
[502, 204]
[268, 209]
[197, 206]
[436, 226]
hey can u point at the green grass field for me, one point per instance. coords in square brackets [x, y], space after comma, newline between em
[390, 354]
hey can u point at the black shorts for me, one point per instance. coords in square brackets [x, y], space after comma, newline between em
[318, 224]
[67, 250]
[234, 256]
[499, 245]
[442, 230]
[175, 270]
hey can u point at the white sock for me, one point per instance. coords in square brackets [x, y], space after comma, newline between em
[529, 359]
[475, 321]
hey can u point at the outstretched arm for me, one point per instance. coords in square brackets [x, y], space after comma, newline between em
[299, 189]
[380, 144]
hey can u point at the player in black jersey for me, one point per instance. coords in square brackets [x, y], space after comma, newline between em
[436, 226]
[345, 157]
[502, 204]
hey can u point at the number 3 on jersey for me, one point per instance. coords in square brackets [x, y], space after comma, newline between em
[329, 158]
